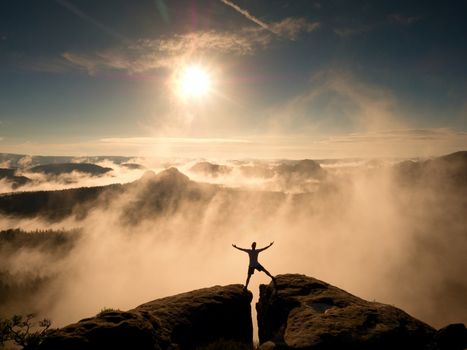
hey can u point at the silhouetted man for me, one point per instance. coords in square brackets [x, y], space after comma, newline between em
[254, 264]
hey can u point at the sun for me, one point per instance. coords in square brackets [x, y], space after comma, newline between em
[193, 81]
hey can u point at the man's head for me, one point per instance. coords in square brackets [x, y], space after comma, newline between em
[253, 245]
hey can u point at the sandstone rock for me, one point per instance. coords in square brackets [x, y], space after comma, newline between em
[306, 313]
[452, 337]
[184, 321]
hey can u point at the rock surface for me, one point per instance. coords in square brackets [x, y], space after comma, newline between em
[452, 337]
[184, 321]
[301, 313]
[306, 313]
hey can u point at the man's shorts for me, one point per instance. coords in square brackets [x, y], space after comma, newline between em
[251, 269]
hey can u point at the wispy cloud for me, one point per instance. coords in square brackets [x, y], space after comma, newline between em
[248, 15]
[338, 100]
[383, 143]
[403, 142]
[88, 62]
[289, 27]
[402, 135]
[396, 143]
[144, 55]
[170, 140]
[403, 19]
[148, 54]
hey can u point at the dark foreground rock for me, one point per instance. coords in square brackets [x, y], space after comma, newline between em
[306, 313]
[184, 321]
[452, 337]
[301, 313]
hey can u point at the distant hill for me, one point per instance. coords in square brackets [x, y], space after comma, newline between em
[303, 168]
[210, 169]
[151, 196]
[163, 194]
[56, 205]
[10, 160]
[15, 180]
[132, 166]
[5, 173]
[448, 170]
[171, 191]
[66, 168]
[21, 160]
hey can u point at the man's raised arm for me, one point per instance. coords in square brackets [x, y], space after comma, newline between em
[244, 250]
[261, 249]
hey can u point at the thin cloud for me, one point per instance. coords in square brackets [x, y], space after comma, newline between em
[176, 140]
[90, 64]
[405, 135]
[289, 27]
[338, 100]
[166, 52]
[402, 19]
[396, 143]
[149, 54]
[248, 15]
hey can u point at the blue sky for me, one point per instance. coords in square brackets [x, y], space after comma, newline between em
[298, 78]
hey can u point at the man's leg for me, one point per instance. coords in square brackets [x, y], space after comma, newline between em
[251, 270]
[272, 277]
[247, 281]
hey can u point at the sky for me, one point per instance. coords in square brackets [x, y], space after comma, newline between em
[288, 79]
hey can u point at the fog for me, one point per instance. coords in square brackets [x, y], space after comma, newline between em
[46, 182]
[359, 227]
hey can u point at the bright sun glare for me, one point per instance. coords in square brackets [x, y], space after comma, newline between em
[193, 81]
